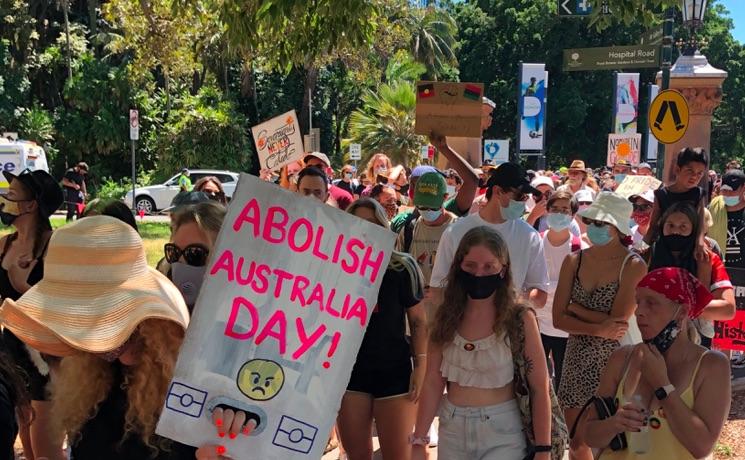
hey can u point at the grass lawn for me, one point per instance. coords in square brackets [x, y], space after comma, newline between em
[154, 236]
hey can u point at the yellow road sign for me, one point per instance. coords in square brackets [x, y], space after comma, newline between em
[668, 116]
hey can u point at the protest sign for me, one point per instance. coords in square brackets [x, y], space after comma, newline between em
[624, 147]
[636, 185]
[287, 296]
[278, 141]
[730, 335]
[449, 109]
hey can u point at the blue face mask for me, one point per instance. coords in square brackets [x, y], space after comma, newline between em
[431, 215]
[599, 236]
[619, 178]
[731, 200]
[557, 221]
[514, 210]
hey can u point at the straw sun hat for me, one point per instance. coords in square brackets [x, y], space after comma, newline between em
[611, 208]
[97, 288]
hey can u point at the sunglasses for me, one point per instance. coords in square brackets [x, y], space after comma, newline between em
[596, 223]
[642, 207]
[585, 203]
[194, 254]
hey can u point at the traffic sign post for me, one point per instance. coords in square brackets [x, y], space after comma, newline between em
[134, 136]
[667, 62]
[668, 116]
[355, 152]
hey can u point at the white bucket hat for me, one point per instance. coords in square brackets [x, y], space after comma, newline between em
[611, 208]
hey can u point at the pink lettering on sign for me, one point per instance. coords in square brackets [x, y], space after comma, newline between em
[303, 237]
[297, 289]
[245, 323]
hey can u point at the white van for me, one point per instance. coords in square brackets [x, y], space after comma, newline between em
[15, 156]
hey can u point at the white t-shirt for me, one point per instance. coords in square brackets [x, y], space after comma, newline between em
[638, 238]
[524, 244]
[555, 256]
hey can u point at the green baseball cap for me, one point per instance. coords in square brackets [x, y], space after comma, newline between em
[430, 191]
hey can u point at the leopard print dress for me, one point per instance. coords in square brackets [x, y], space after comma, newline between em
[587, 355]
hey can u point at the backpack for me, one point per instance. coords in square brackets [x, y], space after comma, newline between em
[576, 241]
[408, 230]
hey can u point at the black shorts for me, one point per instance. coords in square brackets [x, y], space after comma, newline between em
[383, 382]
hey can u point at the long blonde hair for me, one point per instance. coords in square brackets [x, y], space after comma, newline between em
[400, 261]
[371, 171]
[450, 313]
[74, 402]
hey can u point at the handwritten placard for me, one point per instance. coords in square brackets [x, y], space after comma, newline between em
[286, 299]
[626, 147]
[636, 185]
[449, 109]
[278, 141]
[730, 335]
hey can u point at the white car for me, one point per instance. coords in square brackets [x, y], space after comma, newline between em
[154, 198]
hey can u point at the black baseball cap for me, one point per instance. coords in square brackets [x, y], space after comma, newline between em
[733, 179]
[511, 175]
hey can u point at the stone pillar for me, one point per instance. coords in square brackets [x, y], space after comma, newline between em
[701, 85]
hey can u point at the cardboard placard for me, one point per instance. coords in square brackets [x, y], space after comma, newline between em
[636, 185]
[624, 147]
[278, 141]
[449, 109]
[730, 335]
[288, 293]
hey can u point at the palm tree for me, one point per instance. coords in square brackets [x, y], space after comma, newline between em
[386, 123]
[432, 43]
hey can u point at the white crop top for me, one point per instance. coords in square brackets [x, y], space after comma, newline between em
[484, 363]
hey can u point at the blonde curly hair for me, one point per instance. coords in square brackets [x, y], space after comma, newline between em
[146, 383]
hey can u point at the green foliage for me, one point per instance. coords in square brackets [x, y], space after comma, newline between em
[111, 189]
[36, 124]
[385, 122]
[204, 131]
[432, 40]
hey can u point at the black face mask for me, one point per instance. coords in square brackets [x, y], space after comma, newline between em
[404, 189]
[7, 219]
[480, 287]
[678, 242]
[665, 339]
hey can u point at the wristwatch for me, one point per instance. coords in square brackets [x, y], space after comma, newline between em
[663, 392]
[538, 449]
[418, 440]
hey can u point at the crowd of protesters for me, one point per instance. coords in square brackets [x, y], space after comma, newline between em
[518, 308]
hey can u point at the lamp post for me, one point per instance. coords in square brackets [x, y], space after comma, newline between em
[693, 18]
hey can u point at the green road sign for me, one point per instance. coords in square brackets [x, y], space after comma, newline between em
[652, 37]
[611, 58]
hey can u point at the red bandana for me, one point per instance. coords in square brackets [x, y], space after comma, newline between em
[679, 286]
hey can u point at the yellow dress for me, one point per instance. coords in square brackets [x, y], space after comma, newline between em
[663, 443]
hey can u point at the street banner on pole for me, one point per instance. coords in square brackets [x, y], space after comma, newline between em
[278, 141]
[449, 109]
[624, 147]
[496, 151]
[611, 58]
[287, 296]
[626, 107]
[533, 80]
[134, 125]
[652, 142]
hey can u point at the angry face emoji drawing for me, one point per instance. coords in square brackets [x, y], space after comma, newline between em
[261, 379]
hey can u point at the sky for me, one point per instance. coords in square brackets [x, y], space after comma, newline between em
[737, 13]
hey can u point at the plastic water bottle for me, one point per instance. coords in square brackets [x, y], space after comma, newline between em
[639, 442]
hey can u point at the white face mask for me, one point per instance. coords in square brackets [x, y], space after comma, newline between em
[450, 190]
[431, 215]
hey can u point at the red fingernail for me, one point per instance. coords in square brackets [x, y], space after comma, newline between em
[246, 430]
[221, 450]
[233, 435]
[222, 435]
[218, 422]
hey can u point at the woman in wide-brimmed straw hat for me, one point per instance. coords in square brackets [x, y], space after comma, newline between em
[119, 325]
[32, 197]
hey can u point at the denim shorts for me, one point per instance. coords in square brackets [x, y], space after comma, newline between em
[481, 433]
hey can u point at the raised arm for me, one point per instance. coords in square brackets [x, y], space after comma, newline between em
[467, 192]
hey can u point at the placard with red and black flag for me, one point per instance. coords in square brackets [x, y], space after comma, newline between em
[426, 90]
